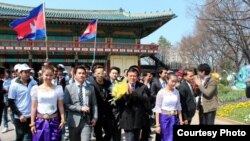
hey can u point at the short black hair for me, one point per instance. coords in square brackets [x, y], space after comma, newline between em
[132, 69]
[160, 70]
[186, 70]
[115, 68]
[146, 73]
[79, 67]
[204, 67]
[87, 67]
[97, 67]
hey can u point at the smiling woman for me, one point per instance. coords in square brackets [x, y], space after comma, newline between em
[47, 111]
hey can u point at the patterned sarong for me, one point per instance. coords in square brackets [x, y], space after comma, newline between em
[167, 123]
[47, 130]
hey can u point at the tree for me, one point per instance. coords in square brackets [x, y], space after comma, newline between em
[164, 45]
[229, 24]
[221, 35]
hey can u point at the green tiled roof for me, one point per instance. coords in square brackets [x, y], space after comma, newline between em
[103, 15]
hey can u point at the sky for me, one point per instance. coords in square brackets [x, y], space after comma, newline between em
[173, 30]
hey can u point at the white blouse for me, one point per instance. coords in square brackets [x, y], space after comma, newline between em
[47, 100]
[167, 100]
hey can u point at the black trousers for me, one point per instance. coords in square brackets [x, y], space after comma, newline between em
[132, 135]
[206, 118]
[23, 132]
[105, 124]
[1, 111]
[146, 130]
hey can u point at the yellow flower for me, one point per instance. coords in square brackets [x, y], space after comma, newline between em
[119, 89]
[226, 110]
[216, 76]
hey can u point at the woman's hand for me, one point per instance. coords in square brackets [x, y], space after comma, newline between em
[158, 129]
[61, 125]
[33, 130]
[182, 123]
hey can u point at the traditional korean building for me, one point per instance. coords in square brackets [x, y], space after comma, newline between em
[119, 37]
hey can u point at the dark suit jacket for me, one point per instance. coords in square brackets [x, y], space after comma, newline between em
[103, 97]
[135, 108]
[188, 104]
[72, 104]
[155, 88]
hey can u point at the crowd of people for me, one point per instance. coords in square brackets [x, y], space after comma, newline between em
[47, 107]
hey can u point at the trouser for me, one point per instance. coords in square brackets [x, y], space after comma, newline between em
[1, 111]
[80, 133]
[206, 118]
[132, 135]
[146, 130]
[106, 124]
[117, 130]
[5, 117]
[23, 132]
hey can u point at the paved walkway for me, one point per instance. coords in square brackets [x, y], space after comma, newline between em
[10, 136]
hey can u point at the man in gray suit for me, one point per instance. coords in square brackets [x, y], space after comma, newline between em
[80, 101]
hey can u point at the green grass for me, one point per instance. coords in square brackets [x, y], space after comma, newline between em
[231, 96]
[241, 115]
[226, 94]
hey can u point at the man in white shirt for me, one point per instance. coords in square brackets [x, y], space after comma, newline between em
[80, 101]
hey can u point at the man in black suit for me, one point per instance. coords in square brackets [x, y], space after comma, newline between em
[106, 118]
[158, 83]
[187, 96]
[135, 105]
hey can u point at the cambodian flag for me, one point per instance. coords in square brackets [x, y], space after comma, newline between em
[31, 27]
[90, 31]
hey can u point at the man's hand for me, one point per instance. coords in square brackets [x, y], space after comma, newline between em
[197, 81]
[185, 122]
[85, 109]
[23, 118]
[93, 122]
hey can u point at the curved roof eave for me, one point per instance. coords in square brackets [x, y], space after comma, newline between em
[103, 15]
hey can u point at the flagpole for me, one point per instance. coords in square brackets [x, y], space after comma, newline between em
[93, 61]
[46, 37]
[47, 56]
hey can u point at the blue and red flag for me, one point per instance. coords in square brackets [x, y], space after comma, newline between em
[31, 27]
[90, 31]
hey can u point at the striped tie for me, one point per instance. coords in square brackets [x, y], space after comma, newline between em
[80, 95]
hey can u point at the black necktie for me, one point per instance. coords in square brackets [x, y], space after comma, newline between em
[80, 95]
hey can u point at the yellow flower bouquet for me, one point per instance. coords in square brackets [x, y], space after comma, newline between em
[119, 89]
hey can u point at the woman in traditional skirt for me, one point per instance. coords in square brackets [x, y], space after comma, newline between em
[167, 108]
[47, 112]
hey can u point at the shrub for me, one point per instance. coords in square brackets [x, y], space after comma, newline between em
[224, 81]
[222, 89]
